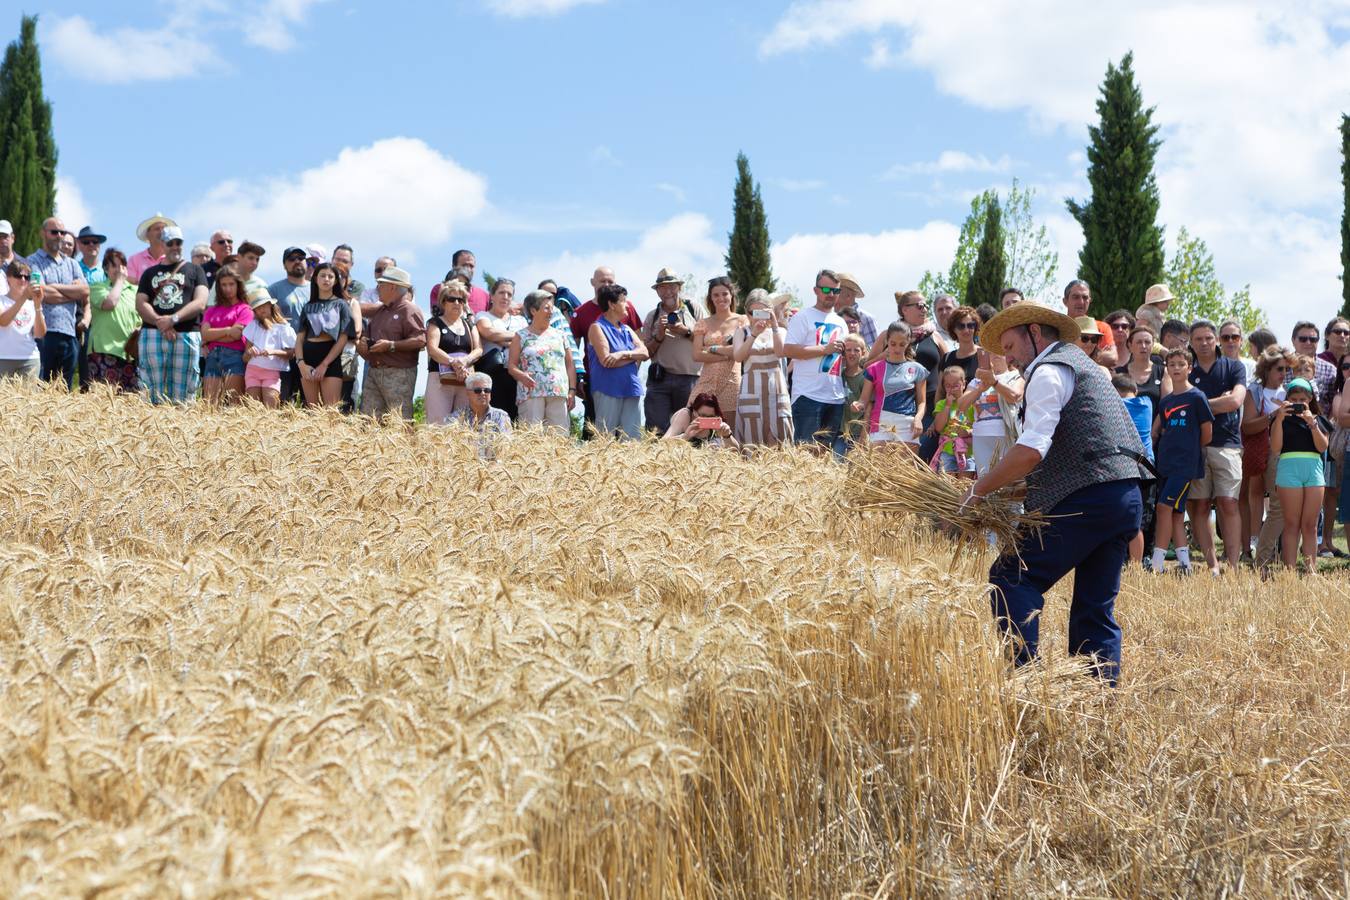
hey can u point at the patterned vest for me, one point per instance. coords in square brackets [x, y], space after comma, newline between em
[1093, 427]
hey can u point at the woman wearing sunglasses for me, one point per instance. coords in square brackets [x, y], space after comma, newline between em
[480, 414]
[963, 324]
[1264, 398]
[1090, 339]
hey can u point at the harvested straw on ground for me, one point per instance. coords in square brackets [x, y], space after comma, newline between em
[897, 482]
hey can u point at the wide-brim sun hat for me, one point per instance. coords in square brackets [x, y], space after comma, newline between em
[1087, 325]
[143, 229]
[1026, 313]
[848, 281]
[1158, 293]
[259, 297]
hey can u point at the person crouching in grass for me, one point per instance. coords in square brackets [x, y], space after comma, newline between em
[1298, 438]
[1181, 432]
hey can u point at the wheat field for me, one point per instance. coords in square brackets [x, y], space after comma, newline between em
[290, 655]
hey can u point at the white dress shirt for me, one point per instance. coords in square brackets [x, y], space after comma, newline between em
[1048, 389]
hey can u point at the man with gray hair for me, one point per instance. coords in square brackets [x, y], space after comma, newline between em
[481, 415]
[943, 304]
[1077, 299]
[392, 347]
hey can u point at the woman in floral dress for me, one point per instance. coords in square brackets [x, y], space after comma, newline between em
[541, 363]
[713, 336]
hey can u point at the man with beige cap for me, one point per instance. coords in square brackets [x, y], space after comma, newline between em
[668, 332]
[1079, 454]
[849, 295]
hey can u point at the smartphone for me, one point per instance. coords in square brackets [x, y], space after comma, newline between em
[1298, 409]
[761, 314]
[708, 423]
[35, 277]
[672, 318]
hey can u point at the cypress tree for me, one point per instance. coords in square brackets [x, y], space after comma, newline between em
[28, 164]
[1122, 243]
[747, 256]
[991, 266]
[1345, 215]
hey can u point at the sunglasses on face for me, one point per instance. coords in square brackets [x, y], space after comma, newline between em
[480, 390]
[1306, 338]
[88, 242]
[453, 300]
[966, 326]
[1089, 338]
[56, 232]
[912, 306]
[1339, 332]
[1345, 367]
[827, 291]
[1229, 338]
[173, 243]
[223, 241]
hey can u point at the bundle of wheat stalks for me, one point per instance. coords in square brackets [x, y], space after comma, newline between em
[249, 654]
[896, 482]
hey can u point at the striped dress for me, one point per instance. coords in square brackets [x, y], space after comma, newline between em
[763, 405]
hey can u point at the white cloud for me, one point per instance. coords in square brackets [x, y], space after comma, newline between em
[1248, 95]
[396, 196]
[519, 9]
[685, 243]
[673, 190]
[949, 162]
[71, 206]
[798, 185]
[183, 46]
[602, 155]
[880, 57]
[126, 55]
[272, 25]
[883, 262]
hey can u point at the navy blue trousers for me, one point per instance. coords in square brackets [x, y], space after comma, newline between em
[1089, 534]
[60, 357]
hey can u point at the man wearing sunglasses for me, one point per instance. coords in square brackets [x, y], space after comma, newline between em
[64, 298]
[1306, 335]
[222, 245]
[1077, 299]
[291, 294]
[815, 344]
[1224, 383]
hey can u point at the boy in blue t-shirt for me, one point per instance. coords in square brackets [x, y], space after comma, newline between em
[1140, 411]
[1183, 429]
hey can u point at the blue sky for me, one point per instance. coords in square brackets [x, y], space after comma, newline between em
[553, 135]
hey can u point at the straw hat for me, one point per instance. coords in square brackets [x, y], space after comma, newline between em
[1087, 325]
[1028, 313]
[667, 276]
[848, 281]
[143, 229]
[1158, 293]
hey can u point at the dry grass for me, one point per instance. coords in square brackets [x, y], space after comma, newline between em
[293, 655]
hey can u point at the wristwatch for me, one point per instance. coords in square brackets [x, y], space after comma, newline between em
[174, 318]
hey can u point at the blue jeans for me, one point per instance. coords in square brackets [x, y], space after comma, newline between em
[1089, 534]
[816, 421]
[60, 354]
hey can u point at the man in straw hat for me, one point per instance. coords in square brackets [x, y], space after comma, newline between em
[668, 332]
[1078, 453]
[152, 232]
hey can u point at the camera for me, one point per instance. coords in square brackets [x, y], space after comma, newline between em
[1298, 409]
[672, 318]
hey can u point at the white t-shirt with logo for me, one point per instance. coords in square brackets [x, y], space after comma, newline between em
[278, 337]
[818, 378]
[16, 338]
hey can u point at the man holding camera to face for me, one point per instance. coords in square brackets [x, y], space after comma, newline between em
[668, 333]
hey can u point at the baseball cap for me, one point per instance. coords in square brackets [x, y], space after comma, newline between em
[5, 227]
[291, 251]
[171, 233]
[1300, 384]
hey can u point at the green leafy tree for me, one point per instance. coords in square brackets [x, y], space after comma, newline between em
[1122, 243]
[747, 256]
[991, 269]
[1031, 261]
[27, 148]
[1198, 291]
[1345, 216]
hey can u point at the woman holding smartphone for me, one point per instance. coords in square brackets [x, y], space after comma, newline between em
[763, 406]
[21, 324]
[701, 423]
[1298, 438]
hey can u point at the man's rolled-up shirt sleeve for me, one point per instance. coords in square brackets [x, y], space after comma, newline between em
[1046, 393]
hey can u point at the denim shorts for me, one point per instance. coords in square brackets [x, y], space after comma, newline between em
[222, 362]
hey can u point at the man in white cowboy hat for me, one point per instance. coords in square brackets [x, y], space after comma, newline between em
[668, 332]
[1078, 453]
[152, 232]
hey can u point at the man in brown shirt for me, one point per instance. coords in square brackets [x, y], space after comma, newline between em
[391, 347]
